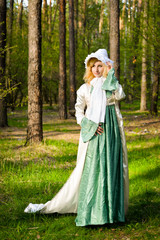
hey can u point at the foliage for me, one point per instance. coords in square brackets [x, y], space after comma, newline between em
[88, 39]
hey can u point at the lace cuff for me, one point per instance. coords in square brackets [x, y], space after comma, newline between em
[88, 129]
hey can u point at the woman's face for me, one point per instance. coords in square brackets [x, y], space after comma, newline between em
[97, 69]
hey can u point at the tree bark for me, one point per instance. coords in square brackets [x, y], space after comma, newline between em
[155, 88]
[76, 23]
[122, 22]
[115, 36]
[10, 24]
[50, 16]
[44, 18]
[54, 15]
[84, 20]
[143, 105]
[3, 107]
[62, 62]
[155, 56]
[101, 16]
[10, 27]
[72, 79]
[20, 14]
[35, 133]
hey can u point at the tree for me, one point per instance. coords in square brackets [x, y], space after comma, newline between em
[72, 86]
[114, 40]
[76, 23]
[154, 21]
[10, 29]
[19, 20]
[143, 105]
[34, 131]
[3, 107]
[101, 16]
[44, 18]
[154, 90]
[62, 61]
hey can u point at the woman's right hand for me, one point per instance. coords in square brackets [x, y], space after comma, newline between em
[99, 130]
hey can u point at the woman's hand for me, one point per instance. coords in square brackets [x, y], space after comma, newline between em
[99, 130]
[109, 66]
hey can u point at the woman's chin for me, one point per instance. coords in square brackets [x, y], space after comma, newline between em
[97, 75]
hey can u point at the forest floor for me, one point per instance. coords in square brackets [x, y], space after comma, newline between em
[135, 123]
[36, 173]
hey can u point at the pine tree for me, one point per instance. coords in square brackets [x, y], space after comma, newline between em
[35, 133]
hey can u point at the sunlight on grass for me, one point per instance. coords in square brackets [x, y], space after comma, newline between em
[36, 173]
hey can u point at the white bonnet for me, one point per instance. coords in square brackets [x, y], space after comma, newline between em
[101, 55]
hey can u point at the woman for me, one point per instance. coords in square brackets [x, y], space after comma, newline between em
[97, 189]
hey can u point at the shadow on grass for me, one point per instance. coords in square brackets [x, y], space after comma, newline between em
[142, 153]
[151, 174]
[143, 207]
[139, 138]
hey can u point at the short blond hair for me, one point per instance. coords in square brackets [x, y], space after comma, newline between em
[88, 75]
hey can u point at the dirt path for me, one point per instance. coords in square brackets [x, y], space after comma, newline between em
[68, 130]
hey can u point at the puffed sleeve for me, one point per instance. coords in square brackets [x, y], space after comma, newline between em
[80, 104]
[88, 127]
[119, 94]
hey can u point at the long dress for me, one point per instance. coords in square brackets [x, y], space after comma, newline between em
[98, 187]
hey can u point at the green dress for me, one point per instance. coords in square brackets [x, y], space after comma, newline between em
[101, 195]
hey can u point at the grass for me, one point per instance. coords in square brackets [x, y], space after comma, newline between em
[36, 173]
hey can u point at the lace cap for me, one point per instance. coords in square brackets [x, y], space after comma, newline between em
[101, 55]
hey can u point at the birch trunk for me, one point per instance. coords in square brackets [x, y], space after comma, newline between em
[143, 105]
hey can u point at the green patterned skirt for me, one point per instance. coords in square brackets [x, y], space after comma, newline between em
[101, 196]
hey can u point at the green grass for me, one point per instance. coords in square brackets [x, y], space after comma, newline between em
[36, 173]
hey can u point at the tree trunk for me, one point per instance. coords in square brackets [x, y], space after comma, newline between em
[133, 12]
[50, 16]
[62, 61]
[76, 23]
[122, 23]
[3, 107]
[10, 27]
[72, 79]
[20, 14]
[54, 15]
[84, 21]
[143, 105]
[101, 16]
[115, 36]
[44, 19]
[35, 133]
[155, 56]
[155, 87]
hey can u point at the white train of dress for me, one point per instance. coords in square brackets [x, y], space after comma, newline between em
[66, 200]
